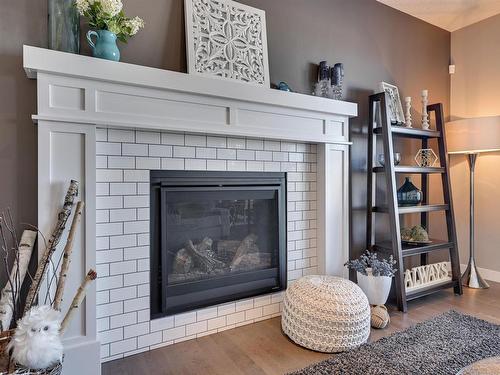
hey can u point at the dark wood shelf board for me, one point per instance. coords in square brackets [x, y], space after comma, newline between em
[409, 250]
[414, 209]
[433, 289]
[410, 132]
[411, 169]
[423, 208]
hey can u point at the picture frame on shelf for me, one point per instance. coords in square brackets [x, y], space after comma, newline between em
[227, 40]
[396, 113]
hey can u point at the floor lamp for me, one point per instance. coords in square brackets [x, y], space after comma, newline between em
[472, 137]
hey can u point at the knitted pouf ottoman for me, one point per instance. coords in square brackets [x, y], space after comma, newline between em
[326, 313]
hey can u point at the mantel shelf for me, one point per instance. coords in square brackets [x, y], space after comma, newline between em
[68, 64]
[87, 90]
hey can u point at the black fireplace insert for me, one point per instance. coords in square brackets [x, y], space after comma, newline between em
[215, 237]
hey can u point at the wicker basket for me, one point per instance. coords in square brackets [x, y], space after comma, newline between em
[54, 370]
[5, 337]
[7, 368]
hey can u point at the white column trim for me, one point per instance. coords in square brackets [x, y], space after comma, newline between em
[87, 343]
[333, 209]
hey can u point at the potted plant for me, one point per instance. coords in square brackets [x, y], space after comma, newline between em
[109, 23]
[374, 276]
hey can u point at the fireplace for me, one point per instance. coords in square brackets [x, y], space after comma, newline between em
[215, 237]
[168, 120]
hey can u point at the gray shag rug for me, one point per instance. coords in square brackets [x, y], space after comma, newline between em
[439, 346]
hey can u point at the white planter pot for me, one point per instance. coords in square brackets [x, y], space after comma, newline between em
[376, 288]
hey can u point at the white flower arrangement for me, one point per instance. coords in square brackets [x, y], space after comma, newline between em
[111, 7]
[108, 15]
[135, 24]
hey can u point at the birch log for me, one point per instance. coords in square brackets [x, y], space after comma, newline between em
[62, 218]
[68, 249]
[10, 293]
[77, 300]
[248, 245]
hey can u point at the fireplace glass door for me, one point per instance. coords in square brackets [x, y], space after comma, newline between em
[219, 238]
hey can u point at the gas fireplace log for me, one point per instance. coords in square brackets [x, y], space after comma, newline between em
[201, 259]
[205, 246]
[248, 245]
[253, 261]
[183, 262]
[227, 248]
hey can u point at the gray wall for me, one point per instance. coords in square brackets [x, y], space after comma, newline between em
[21, 21]
[475, 93]
[375, 43]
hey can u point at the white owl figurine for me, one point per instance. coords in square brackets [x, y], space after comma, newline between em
[37, 343]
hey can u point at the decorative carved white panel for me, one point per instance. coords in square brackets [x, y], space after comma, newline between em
[422, 277]
[227, 39]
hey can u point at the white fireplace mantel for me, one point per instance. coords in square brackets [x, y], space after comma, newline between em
[78, 94]
[86, 90]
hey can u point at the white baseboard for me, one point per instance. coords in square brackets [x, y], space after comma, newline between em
[84, 357]
[485, 273]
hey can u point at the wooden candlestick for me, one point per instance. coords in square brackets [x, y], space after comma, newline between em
[425, 115]
[408, 112]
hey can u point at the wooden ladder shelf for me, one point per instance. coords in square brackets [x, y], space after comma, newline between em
[394, 246]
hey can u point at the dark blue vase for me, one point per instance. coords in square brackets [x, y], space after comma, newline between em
[409, 194]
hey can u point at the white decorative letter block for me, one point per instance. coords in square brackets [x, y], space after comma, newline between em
[423, 277]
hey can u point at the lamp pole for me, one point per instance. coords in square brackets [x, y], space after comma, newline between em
[471, 276]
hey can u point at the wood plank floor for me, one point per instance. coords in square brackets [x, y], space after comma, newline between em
[262, 349]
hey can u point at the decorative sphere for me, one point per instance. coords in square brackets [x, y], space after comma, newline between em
[379, 316]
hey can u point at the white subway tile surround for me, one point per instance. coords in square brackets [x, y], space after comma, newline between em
[125, 158]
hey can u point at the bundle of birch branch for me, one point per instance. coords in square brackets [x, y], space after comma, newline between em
[10, 301]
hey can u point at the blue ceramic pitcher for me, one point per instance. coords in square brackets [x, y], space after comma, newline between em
[105, 45]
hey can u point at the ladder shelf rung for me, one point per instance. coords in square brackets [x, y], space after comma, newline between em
[411, 169]
[410, 132]
[430, 290]
[409, 250]
[414, 209]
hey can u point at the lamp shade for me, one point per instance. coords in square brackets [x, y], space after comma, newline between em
[473, 135]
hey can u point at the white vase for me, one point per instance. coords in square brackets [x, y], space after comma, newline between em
[376, 288]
